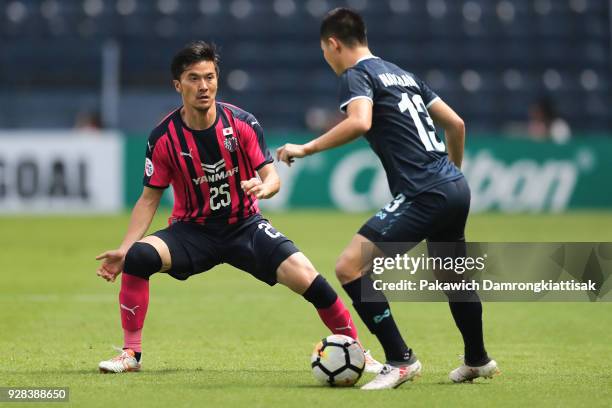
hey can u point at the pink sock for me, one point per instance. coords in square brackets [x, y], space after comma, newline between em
[133, 304]
[338, 319]
[133, 340]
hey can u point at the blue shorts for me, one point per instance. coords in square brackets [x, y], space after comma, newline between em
[252, 245]
[438, 215]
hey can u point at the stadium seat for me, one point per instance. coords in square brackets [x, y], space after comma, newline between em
[276, 44]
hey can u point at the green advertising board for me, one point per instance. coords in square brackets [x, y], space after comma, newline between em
[509, 175]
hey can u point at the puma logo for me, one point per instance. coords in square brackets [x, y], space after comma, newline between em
[187, 154]
[131, 310]
[347, 327]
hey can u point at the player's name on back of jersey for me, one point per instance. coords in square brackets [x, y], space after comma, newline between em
[389, 79]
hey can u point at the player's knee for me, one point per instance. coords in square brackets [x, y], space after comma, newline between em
[142, 260]
[346, 271]
[308, 271]
[296, 272]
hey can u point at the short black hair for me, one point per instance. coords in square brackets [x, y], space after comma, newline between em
[192, 53]
[346, 25]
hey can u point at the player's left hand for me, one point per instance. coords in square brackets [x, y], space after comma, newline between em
[289, 152]
[256, 187]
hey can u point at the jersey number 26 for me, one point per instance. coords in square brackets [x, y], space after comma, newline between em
[418, 112]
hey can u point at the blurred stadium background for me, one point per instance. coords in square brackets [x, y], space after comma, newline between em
[531, 78]
[490, 59]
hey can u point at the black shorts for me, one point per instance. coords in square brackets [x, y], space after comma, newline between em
[438, 215]
[252, 245]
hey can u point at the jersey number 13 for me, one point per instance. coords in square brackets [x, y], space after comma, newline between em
[418, 112]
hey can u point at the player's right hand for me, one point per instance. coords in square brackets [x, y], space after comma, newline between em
[289, 152]
[112, 264]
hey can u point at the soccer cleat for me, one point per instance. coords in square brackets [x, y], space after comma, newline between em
[392, 376]
[371, 365]
[123, 363]
[465, 373]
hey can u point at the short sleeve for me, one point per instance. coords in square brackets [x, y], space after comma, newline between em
[157, 170]
[255, 144]
[355, 84]
[429, 96]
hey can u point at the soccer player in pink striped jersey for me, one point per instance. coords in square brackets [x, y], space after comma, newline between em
[215, 157]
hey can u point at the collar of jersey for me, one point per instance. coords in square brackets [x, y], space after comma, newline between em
[211, 129]
[367, 57]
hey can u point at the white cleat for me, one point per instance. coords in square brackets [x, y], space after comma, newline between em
[371, 365]
[392, 376]
[123, 363]
[466, 373]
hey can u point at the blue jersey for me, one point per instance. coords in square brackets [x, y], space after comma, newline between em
[402, 135]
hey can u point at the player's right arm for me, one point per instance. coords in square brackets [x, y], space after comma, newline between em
[157, 176]
[357, 122]
[454, 129]
[142, 216]
[356, 97]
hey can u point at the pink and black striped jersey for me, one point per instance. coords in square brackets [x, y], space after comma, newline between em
[205, 167]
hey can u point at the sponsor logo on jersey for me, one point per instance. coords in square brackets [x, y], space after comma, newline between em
[213, 168]
[149, 169]
[215, 172]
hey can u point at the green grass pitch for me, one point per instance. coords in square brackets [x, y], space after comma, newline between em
[224, 339]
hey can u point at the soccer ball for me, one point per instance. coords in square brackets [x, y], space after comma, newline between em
[338, 360]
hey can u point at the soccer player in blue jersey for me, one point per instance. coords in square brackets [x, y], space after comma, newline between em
[396, 112]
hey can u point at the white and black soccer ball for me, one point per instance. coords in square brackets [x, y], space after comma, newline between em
[338, 360]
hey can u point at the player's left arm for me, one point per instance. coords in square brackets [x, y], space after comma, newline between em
[268, 182]
[266, 186]
[454, 129]
[357, 122]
